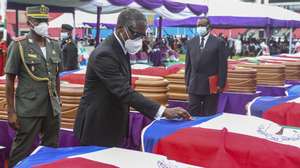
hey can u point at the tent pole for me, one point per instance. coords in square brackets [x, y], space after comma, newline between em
[17, 22]
[99, 9]
[290, 42]
[160, 27]
[74, 24]
[268, 34]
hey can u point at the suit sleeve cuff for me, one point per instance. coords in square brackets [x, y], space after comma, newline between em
[160, 112]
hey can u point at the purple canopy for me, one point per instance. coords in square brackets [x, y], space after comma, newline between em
[230, 14]
[232, 22]
[171, 6]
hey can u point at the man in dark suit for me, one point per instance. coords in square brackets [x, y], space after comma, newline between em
[102, 118]
[206, 62]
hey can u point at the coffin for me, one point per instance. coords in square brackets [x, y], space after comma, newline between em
[178, 96]
[151, 89]
[161, 98]
[292, 70]
[154, 88]
[151, 83]
[177, 88]
[270, 74]
[241, 79]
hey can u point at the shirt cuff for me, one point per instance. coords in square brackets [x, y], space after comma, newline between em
[160, 112]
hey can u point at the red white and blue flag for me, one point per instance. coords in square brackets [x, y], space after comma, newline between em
[282, 110]
[226, 140]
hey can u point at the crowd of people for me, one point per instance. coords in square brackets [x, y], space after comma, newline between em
[256, 47]
[157, 51]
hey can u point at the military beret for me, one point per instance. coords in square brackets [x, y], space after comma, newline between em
[67, 27]
[38, 12]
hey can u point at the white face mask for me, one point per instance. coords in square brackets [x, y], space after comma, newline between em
[133, 46]
[41, 29]
[202, 30]
[64, 35]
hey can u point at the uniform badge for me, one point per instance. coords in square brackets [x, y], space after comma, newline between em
[53, 52]
[43, 9]
[32, 55]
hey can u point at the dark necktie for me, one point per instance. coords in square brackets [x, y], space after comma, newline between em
[202, 43]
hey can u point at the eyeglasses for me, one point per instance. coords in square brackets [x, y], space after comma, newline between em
[135, 34]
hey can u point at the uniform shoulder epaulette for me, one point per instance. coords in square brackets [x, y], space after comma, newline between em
[20, 38]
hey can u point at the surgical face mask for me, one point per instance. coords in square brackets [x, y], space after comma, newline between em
[64, 35]
[133, 46]
[202, 30]
[41, 29]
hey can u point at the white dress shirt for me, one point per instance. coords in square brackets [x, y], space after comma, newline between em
[44, 51]
[161, 109]
[205, 39]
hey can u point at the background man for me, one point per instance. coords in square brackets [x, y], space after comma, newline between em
[206, 70]
[69, 48]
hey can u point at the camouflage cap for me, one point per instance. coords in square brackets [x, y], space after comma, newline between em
[38, 12]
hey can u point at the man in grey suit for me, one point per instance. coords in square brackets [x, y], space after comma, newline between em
[102, 118]
[206, 69]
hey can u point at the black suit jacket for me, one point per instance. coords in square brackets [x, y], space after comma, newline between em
[202, 63]
[102, 118]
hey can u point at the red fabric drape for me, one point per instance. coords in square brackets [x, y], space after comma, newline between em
[222, 149]
[3, 54]
[284, 114]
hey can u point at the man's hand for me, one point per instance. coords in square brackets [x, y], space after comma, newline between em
[13, 120]
[177, 112]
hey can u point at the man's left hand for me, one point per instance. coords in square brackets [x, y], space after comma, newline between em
[177, 112]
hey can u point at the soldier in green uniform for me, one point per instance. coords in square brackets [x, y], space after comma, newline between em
[69, 48]
[34, 109]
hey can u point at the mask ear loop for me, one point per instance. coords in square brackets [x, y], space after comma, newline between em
[122, 37]
[126, 33]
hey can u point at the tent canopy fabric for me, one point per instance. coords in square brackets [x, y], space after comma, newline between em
[84, 19]
[173, 9]
[232, 14]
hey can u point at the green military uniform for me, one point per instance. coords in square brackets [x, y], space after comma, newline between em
[37, 103]
[69, 51]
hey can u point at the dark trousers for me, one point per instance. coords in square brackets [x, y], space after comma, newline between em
[203, 105]
[30, 127]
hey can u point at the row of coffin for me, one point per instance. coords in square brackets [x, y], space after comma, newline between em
[155, 88]
[161, 89]
[245, 77]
